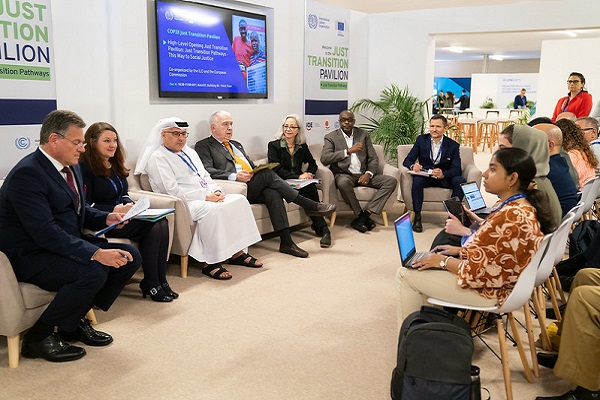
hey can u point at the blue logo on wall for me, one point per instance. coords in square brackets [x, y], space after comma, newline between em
[340, 26]
[313, 21]
[22, 143]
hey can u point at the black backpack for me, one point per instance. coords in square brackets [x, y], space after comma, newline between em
[582, 236]
[434, 357]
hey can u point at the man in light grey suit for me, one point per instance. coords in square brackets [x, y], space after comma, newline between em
[350, 155]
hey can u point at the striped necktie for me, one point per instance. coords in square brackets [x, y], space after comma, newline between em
[71, 183]
[237, 160]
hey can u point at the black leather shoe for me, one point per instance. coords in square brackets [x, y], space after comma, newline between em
[578, 394]
[370, 224]
[88, 335]
[547, 360]
[156, 293]
[293, 250]
[52, 348]
[417, 225]
[358, 224]
[325, 240]
[169, 291]
[323, 210]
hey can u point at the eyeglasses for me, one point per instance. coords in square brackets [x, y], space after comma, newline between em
[588, 129]
[573, 82]
[178, 134]
[342, 120]
[285, 127]
[76, 143]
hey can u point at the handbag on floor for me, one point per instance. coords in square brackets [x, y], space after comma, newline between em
[434, 357]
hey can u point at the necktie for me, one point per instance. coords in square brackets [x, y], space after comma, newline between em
[238, 160]
[71, 183]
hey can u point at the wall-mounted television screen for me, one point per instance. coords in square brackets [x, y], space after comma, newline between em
[210, 52]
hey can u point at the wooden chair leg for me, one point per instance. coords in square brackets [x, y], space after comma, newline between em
[531, 339]
[546, 345]
[517, 337]
[385, 218]
[332, 219]
[552, 290]
[504, 359]
[13, 350]
[92, 317]
[558, 285]
[184, 266]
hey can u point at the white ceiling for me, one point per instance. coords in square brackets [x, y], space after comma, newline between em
[510, 46]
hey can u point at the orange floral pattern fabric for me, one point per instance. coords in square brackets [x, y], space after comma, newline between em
[496, 254]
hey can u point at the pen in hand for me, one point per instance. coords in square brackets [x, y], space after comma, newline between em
[124, 256]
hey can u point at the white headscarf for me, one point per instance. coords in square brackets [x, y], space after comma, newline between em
[154, 140]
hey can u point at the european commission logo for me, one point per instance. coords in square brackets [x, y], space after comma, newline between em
[168, 15]
[313, 21]
[22, 143]
[341, 28]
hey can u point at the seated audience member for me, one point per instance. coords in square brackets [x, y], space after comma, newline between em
[291, 152]
[439, 154]
[535, 143]
[578, 359]
[563, 153]
[224, 158]
[105, 181]
[225, 223]
[349, 153]
[566, 115]
[578, 100]
[589, 127]
[42, 212]
[558, 175]
[489, 265]
[582, 156]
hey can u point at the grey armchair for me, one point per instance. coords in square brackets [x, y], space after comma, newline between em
[433, 197]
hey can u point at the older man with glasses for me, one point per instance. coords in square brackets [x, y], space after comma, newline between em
[589, 126]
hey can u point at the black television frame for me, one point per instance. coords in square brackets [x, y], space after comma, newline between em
[229, 12]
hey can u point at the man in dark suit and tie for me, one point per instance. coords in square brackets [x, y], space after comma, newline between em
[224, 158]
[351, 157]
[42, 213]
[439, 154]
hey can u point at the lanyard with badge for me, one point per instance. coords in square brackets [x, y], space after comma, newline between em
[436, 160]
[188, 161]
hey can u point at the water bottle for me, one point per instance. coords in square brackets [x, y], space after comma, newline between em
[475, 383]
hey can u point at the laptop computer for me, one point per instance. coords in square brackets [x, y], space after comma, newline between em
[406, 241]
[474, 198]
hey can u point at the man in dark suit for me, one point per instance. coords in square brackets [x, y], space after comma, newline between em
[224, 158]
[42, 213]
[350, 155]
[439, 156]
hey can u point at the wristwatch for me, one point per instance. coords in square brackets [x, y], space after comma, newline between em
[443, 263]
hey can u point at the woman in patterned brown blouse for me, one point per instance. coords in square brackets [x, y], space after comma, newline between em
[493, 257]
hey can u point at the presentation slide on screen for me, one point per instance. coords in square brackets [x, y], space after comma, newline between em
[202, 50]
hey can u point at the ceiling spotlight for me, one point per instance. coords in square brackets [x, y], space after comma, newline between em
[571, 33]
[496, 58]
[453, 49]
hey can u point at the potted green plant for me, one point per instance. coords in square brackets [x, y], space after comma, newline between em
[488, 103]
[396, 118]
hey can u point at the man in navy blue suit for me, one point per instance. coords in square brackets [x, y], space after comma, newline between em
[439, 156]
[42, 213]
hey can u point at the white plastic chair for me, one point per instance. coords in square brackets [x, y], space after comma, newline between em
[519, 297]
[589, 193]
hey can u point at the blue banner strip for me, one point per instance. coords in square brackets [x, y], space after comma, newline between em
[25, 111]
[324, 107]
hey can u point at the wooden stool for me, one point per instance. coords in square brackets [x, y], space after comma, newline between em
[467, 129]
[488, 132]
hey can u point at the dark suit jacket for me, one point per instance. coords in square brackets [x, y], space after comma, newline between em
[279, 154]
[334, 146]
[38, 214]
[216, 159]
[449, 159]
